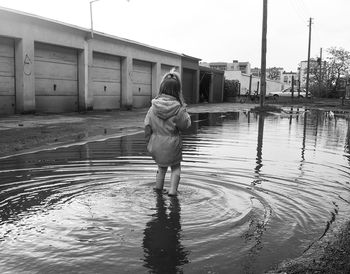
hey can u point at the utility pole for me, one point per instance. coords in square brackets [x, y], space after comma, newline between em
[263, 55]
[320, 78]
[321, 74]
[250, 86]
[91, 18]
[308, 60]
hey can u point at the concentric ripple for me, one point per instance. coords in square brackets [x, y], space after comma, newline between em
[254, 190]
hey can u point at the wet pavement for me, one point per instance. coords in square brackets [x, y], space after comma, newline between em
[25, 133]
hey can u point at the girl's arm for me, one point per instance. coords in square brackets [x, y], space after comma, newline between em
[183, 120]
[148, 133]
[148, 128]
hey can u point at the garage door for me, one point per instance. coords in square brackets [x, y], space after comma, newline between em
[106, 84]
[142, 84]
[187, 86]
[7, 76]
[165, 69]
[56, 78]
[217, 89]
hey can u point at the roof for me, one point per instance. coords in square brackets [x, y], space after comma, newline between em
[191, 57]
[96, 33]
[204, 68]
[218, 64]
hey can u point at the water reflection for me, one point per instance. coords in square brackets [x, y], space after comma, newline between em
[162, 246]
[260, 144]
[256, 190]
[257, 224]
[30, 181]
[347, 144]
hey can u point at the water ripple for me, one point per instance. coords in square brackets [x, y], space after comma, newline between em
[254, 190]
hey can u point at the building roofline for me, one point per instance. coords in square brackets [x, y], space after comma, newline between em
[190, 57]
[218, 63]
[87, 31]
[42, 18]
[203, 68]
[289, 72]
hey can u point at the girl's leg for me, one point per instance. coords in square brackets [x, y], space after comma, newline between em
[174, 179]
[160, 177]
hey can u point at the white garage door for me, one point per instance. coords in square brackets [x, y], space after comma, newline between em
[165, 69]
[7, 76]
[56, 78]
[142, 84]
[106, 84]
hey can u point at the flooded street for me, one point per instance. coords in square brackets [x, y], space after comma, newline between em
[255, 190]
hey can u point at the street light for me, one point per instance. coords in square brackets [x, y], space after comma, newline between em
[92, 24]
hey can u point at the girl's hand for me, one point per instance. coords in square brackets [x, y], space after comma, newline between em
[148, 133]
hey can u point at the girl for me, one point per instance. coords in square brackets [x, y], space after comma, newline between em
[165, 119]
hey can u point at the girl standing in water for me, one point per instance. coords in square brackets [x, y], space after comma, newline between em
[165, 119]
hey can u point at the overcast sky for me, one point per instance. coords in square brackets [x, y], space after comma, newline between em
[212, 30]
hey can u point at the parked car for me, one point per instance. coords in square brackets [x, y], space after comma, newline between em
[287, 92]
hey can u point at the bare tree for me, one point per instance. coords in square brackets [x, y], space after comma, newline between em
[326, 75]
[273, 73]
[338, 64]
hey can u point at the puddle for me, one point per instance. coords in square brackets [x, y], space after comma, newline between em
[254, 191]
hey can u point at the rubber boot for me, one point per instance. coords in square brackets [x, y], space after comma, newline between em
[174, 183]
[160, 179]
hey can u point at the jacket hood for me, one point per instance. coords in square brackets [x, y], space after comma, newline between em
[165, 106]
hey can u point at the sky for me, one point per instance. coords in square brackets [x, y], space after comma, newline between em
[212, 30]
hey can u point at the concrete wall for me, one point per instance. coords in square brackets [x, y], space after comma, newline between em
[190, 79]
[218, 88]
[212, 82]
[27, 30]
[244, 80]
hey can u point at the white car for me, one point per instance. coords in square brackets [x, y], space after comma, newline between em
[287, 92]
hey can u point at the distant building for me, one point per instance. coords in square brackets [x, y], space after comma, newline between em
[303, 70]
[287, 77]
[219, 66]
[204, 64]
[255, 72]
[251, 84]
[243, 67]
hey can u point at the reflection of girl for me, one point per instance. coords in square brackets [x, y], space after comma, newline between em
[162, 247]
[165, 119]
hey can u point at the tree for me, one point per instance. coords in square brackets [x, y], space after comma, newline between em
[318, 78]
[338, 64]
[273, 73]
[327, 75]
[231, 88]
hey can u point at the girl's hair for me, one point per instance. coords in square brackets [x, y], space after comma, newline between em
[171, 85]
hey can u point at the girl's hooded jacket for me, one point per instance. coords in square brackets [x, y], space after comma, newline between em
[166, 118]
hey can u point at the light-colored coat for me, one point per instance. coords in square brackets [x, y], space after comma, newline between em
[166, 118]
